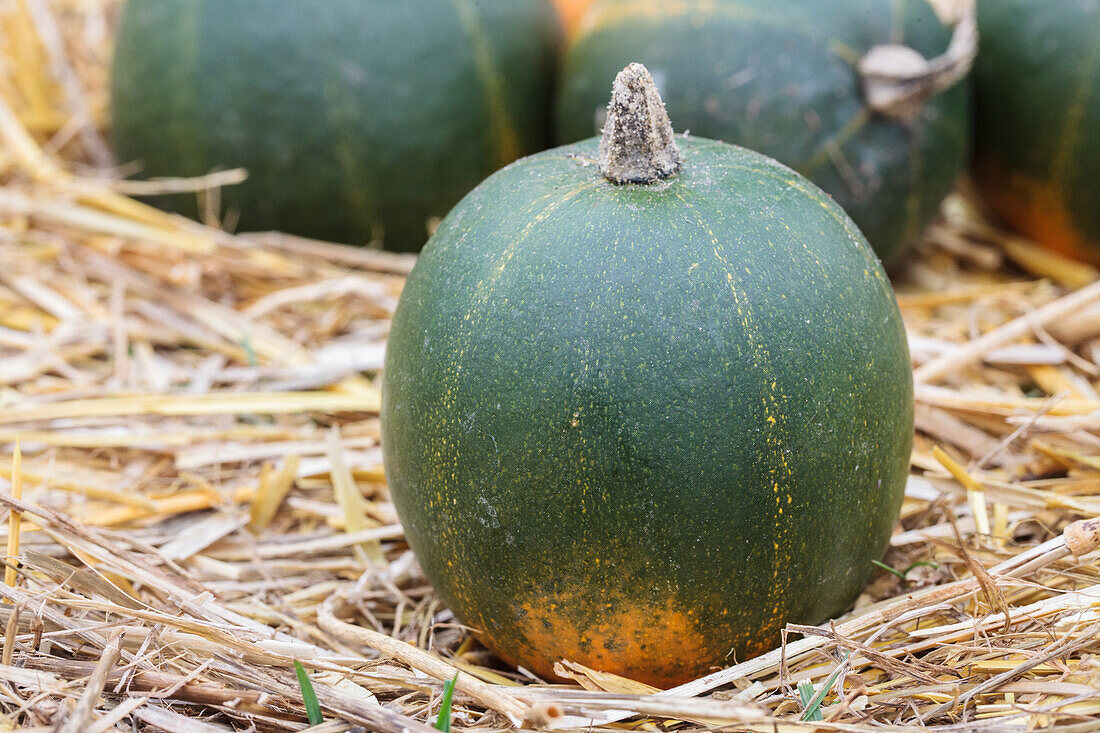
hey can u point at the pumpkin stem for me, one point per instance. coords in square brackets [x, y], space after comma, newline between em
[637, 144]
[897, 80]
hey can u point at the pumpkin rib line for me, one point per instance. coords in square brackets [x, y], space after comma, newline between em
[475, 316]
[357, 197]
[916, 192]
[505, 140]
[775, 412]
[194, 144]
[851, 128]
[897, 23]
[794, 183]
[1069, 137]
[799, 184]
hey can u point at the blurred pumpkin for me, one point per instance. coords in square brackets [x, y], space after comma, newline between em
[358, 120]
[788, 78]
[1037, 119]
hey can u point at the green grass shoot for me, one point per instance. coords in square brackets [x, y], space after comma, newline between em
[806, 695]
[443, 720]
[903, 574]
[249, 352]
[309, 697]
[811, 702]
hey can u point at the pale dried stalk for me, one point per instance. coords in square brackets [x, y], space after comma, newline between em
[82, 713]
[67, 79]
[1019, 566]
[173, 722]
[1053, 651]
[256, 403]
[974, 350]
[15, 520]
[488, 695]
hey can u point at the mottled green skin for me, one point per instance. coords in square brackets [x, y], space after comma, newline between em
[356, 119]
[1037, 118]
[780, 77]
[604, 406]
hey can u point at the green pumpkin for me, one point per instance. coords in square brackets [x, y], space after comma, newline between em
[358, 120]
[642, 426]
[781, 77]
[1037, 115]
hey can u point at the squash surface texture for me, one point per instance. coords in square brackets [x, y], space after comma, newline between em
[357, 120]
[781, 77]
[641, 427]
[1037, 113]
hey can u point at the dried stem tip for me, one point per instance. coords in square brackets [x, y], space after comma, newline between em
[1083, 536]
[637, 144]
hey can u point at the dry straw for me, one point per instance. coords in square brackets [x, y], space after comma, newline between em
[202, 501]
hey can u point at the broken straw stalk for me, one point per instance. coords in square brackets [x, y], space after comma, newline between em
[117, 320]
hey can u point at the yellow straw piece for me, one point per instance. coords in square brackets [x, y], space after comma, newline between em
[1000, 522]
[214, 403]
[975, 494]
[273, 489]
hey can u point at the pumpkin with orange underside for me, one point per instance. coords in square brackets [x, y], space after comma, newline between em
[1037, 112]
[646, 399]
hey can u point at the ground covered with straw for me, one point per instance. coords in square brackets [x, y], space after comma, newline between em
[193, 494]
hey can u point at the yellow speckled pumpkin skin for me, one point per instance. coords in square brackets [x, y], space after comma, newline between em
[642, 427]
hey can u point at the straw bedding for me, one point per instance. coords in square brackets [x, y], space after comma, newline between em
[193, 495]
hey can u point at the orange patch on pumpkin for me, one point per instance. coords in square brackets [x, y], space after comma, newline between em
[570, 12]
[1035, 208]
[661, 645]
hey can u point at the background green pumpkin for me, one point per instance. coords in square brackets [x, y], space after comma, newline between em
[1037, 119]
[358, 120]
[642, 427]
[780, 77]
